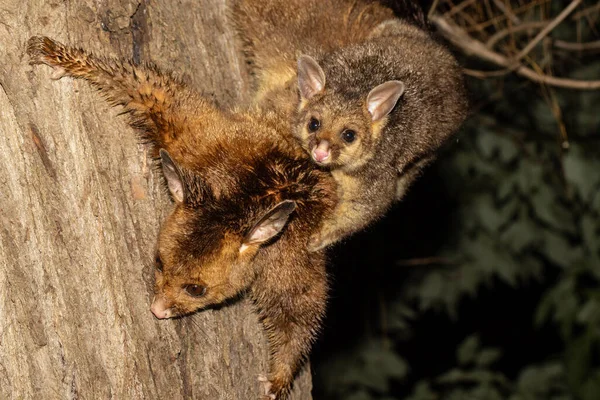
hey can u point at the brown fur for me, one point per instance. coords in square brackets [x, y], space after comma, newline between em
[387, 155]
[308, 26]
[233, 168]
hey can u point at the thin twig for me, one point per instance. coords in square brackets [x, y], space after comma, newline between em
[561, 44]
[496, 37]
[486, 74]
[547, 30]
[459, 8]
[433, 8]
[474, 47]
[503, 17]
[507, 11]
[586, 11]
[592, 23]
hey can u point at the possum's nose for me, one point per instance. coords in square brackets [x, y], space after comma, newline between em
[322, 152]
[159, 308]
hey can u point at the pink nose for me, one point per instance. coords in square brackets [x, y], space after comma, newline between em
[159, 308]
[322, 152]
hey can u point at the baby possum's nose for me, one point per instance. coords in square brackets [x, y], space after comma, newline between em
[321, 153]
[159, 308]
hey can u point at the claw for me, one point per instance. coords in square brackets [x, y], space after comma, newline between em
[57, 73]
[266, 384]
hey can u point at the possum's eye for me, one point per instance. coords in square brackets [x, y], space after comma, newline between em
[158, 263]
[314, 125]
[195, 290]
[348, 135]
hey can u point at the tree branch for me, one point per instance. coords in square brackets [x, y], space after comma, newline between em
[544, 32]
[474, 47]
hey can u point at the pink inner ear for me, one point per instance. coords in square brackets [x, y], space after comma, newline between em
[382, 99]
[311, 78]
[270, 224]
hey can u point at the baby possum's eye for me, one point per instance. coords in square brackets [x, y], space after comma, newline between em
[348, 135]
[314, 125]
[195, 290]
[158, 263]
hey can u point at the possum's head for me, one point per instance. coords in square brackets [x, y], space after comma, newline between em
[339, 132]
[206, 246]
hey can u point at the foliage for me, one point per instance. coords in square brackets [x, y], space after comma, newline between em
[523, 184]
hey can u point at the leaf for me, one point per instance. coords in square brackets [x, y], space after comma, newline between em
[530, 176]
[493, 259]
[521, 234]
[496, 146]
[423, 391]
[577, 166]
[386, 362]
[470, 278]
[590, 227]
[467, 350]
[491, 215]
[399, 316]
[535, 382]
[454, 376]
[487, 392]
[559, 250]
[589, 314]
[487, 357]
[546, 207]
[507, 188]
[430, 290]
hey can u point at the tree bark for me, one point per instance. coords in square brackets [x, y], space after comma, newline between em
[80, 206]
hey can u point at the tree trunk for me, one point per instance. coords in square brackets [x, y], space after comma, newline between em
[80, 207]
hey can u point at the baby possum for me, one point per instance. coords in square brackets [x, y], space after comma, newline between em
[373, 110]
[375, 119]
[246, 202]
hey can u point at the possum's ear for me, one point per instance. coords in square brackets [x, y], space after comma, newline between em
[382, 99]
[311, 78]
[172, 176]
[269, 225]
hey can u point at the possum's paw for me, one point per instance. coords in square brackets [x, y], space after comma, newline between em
[43, 50]
[266, 384]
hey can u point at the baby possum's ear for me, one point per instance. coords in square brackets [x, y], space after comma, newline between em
[172, 176]
[269, 225]
[311, 78]
[382, 99]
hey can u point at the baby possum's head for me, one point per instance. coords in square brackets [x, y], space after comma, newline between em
[207, 245]
[336, 130]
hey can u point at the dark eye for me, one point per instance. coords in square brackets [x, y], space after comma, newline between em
[158, 263]
[195, 290]
[348, 135]
[314, 125]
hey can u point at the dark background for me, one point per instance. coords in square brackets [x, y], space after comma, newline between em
[484, 282]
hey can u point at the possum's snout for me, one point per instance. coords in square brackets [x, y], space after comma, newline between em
[159, 308]
[322, 152]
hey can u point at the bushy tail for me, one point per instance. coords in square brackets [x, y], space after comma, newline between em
[152, 99]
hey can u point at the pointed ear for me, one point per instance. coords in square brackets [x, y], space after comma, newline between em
[172, 176]
[382, 99]
[270, 224]
[311, 78]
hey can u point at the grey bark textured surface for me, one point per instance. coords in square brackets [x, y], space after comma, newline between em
[80, 206]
